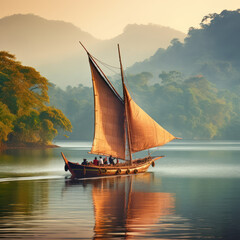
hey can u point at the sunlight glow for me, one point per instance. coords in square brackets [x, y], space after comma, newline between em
[108, 18]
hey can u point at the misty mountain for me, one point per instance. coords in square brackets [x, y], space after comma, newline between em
[211, 51]
[139, 42]
[52, 47]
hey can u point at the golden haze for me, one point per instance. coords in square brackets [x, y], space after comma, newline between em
[107, 18]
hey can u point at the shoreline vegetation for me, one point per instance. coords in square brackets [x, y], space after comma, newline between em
[26, 119]
[4, 147]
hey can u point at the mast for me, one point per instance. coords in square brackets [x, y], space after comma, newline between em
[106, 79]
[126, 112]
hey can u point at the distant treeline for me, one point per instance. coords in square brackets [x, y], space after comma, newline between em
[191, 108]
[25, 119]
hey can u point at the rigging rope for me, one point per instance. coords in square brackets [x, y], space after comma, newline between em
[108, 66]
[153, 151]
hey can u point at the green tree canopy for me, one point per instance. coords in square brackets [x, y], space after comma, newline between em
[6, 122]
[25, 117]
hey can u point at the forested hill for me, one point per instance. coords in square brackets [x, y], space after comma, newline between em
[212, 51]
[191, 88]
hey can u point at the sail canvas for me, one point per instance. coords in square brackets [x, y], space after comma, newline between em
[145, 132]
[109, 136]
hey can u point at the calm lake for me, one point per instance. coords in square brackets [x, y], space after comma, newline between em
[192, 193]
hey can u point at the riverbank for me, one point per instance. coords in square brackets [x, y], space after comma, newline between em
[26, 146]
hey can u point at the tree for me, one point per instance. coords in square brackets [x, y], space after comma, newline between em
[170, 77]
[22, 88]
[6, 122]
[25, 117]
[52, 120]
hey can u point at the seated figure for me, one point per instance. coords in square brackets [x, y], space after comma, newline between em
[85, 162]
[95, 161]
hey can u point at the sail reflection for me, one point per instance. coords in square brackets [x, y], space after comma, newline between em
[123, 211]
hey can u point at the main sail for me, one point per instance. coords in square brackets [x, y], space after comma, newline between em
[109, 134]
[145, 133]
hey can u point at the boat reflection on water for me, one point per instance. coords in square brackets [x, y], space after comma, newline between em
[125, 208]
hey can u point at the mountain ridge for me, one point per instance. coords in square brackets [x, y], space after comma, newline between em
[51, 46]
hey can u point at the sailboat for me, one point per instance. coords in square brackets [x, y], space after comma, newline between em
[121, 129]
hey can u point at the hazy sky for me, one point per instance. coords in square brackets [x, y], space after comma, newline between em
[107, 18]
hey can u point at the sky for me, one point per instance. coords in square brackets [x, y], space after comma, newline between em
[105, 19]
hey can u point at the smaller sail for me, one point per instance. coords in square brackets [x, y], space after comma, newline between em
[145, 133]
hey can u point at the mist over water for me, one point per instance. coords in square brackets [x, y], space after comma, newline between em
[191, 193]
[182, 159]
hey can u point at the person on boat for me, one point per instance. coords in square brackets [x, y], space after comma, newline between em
[100, 160]
[105, 160]
[84, 162]
[110, 159]
[95, 161]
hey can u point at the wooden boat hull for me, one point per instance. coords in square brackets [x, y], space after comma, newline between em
[85, 171]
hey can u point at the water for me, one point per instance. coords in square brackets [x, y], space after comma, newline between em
[192, 193]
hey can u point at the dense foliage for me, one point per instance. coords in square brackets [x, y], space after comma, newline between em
[77, 105]
[191, 108]
[211, 50]
[24, 116]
